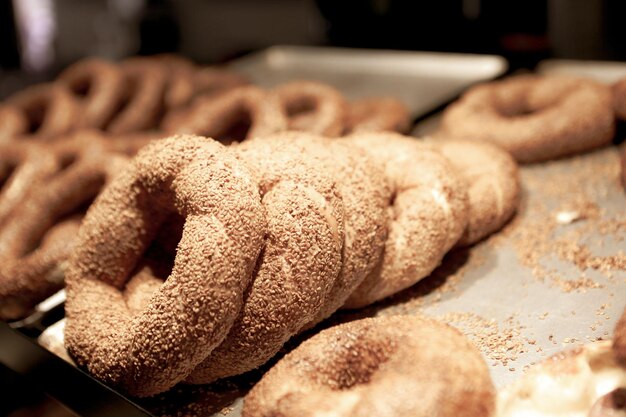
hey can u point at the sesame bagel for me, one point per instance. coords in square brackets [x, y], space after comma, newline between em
[192, 311]
[384, 366]
[533, 117]
[301, 258]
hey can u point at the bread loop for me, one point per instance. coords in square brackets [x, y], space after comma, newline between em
[50, 109]
[194, 308]
[378, 114]
[427, 214]
[313, 107]
[141, 107]
[351, 369]
[242, 113]
[12, 123]
[492, 181]
[299, 264]
[38, 236]
[99, 88]
[23, 166]
[534, 118]
[365, 194]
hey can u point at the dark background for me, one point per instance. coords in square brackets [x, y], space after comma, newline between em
[524, 31]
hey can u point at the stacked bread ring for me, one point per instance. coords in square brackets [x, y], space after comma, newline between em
[323, 224]
[129, 97]
[199, 261]
[41, 203]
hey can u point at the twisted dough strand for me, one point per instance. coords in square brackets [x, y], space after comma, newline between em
[428, 214]
[300, 261]
[192, 311]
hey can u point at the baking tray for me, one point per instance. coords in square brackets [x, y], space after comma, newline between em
[422, 80]
[538, 286]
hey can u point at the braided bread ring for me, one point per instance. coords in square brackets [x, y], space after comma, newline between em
[365, 194]
[12, 123]
[428, 214]
[384, 367]
[533, 117]
[22, 166]
[493, 185]
[32, 272]
[313, 107]
[378, 114]
[99, 87]
[142, 105]
[300, 261]
[50, 109]
[192, 311]
[619, 98]
[221, 117]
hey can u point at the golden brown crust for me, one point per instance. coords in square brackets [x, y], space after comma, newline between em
[242, 113]
[300, 262]
[534, 118]
[378, 114]
[492, 181]
[366, 194]
[191, 312]
[98, 86]
[384, 366]
[313, 107]
[428, 213]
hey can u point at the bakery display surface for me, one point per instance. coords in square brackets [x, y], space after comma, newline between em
[316, 205]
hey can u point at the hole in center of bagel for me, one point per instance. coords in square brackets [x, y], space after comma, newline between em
[301, 106]
[81, 87]
[36, 113]
[522, 108]
[354, 361]
[238, 128]
[160, 255]
[67, 160]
